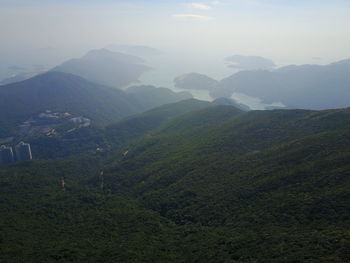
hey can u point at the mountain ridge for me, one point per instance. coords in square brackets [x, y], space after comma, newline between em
[103, 66]
[314, 87]
[65, 92]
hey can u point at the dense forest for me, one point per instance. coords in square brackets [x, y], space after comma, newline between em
[185, 182]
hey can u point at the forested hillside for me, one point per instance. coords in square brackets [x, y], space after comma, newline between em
[211, 184]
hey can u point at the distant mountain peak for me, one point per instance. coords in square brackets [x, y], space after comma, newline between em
[103, 66]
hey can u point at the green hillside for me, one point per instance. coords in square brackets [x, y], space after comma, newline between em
[201, 184]
[141, 124]
[113, 137]
[276, 182]
[40, 222]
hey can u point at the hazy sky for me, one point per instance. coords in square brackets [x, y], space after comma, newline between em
[287, 30]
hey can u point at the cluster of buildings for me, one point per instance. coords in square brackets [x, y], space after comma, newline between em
[54, 115]
[81, 121]
[22, 153]
[45, 123]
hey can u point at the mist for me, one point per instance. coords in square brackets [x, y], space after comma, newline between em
[189, 36]
[285, 31]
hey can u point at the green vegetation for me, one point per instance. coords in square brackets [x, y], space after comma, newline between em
[196, 183]
[40, 222]
[86, 140]
[142, 124]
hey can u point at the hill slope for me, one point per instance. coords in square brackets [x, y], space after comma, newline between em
[215, 184]
[63, 92]
[139, 125]
[113, 137]
[266, 179]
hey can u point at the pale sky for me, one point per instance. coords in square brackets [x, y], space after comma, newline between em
[283, 30]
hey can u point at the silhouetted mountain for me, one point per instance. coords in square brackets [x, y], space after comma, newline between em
[63, 92]
[106, 67]
[195, 81]
[250, 62]
[307, 86]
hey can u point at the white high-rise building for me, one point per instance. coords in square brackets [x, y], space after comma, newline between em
[23, 152]
[6, 155]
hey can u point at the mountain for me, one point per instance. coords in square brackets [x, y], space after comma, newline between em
[250, 62]
[63, 92]
[307, 86]
[106, 67]
[195, 81]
